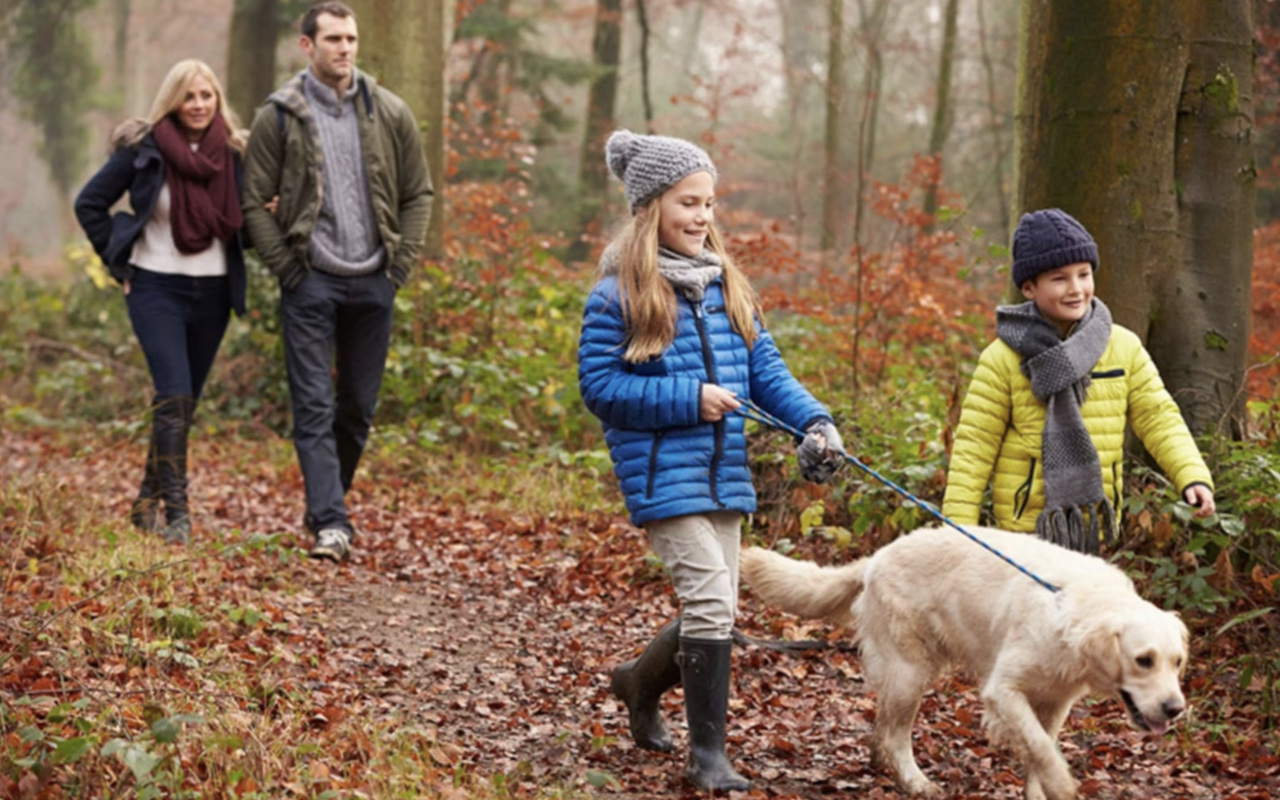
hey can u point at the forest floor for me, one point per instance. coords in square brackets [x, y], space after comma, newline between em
[497, 630]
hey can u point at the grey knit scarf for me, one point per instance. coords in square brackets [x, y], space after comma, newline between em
[1076, 509]
[688, 275]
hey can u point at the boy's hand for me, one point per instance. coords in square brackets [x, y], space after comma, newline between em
[716, 402]
[820, 453]
[1201, 498]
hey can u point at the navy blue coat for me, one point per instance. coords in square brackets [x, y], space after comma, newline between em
[139, 170]
[668, 462]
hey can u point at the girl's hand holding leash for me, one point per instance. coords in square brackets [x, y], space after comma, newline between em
[821, 452]
[716, 402]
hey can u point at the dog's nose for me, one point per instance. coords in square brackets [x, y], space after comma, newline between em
[1172, 708]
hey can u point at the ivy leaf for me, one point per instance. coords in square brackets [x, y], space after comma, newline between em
[69, 751]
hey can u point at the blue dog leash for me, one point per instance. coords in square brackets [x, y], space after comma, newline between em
[753, 412]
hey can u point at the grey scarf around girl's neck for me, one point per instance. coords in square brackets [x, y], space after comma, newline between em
[688, 275]
[1059, 370]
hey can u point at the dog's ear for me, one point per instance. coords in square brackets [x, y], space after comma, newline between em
[1101, 651]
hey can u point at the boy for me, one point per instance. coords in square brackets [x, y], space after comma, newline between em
[1047, 407]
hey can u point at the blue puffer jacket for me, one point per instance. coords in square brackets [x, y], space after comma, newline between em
[668, 462]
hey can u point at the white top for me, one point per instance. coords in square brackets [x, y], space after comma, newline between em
[154, 249]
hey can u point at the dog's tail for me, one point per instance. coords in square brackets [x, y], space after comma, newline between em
[803, 588]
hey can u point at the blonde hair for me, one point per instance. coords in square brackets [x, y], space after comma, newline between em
[649, 302]
[169, 98]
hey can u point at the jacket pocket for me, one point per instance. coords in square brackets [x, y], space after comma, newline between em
[1115, 485]
[651, 368]
[1023, 494]
[653, 464]
[1110, 373]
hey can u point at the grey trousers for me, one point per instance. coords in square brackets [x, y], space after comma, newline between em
[701, 550]
[343, 325]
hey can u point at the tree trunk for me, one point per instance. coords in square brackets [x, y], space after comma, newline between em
[833, 205]
[942, 109]
[998, 152]
[1201, 337]
[251, 54]
[642, 17]
[402, 45]
[871, 26]
[1137, 119]
[796, 59]
[593, 174]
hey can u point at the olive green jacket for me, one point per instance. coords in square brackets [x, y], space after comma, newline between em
[284, 159]
[998, 440]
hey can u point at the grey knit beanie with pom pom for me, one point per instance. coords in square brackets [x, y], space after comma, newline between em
[649, 165]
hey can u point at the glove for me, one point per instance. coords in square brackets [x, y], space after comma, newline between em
[821, 452]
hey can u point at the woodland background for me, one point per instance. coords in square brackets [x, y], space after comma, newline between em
[874, 156]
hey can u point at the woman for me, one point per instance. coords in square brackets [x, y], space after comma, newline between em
[179, 259]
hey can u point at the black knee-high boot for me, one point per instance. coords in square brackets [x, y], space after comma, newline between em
[641, 682]
[174, 417]
[704, 671]
[144, 514]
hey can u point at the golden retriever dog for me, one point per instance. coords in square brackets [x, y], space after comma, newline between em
[933, 599]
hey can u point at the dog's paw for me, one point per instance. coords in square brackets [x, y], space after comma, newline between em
[1057, 787]
[921, 787]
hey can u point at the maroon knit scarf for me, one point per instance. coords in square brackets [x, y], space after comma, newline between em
[202, 185]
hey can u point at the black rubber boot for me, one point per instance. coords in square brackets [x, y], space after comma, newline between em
[641, 682]
[704, 668]
[145, 512]
[173, 423]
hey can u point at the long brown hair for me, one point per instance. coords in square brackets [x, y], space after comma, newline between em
[648, 301]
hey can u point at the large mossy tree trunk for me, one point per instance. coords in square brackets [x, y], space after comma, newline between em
[1137, 119]
[593, 174]
[402, 45]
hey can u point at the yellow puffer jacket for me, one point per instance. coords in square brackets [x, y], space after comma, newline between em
[1001, 424]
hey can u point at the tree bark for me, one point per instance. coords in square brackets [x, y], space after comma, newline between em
[871, 26]
[251, 54]
[942, 108]
[593, 174]
[833, 196]
[1137, 119]
[1201, 337]
[998, 152]
[402, 45]
[642, 17]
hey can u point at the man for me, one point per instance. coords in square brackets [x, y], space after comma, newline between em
[337, 199]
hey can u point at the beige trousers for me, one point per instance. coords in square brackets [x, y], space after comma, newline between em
[701, 551]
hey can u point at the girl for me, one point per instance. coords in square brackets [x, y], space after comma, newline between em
[672, 337]
[179, 259]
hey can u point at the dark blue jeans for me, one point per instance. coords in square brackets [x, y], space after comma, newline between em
[334, 325]
[179, 321]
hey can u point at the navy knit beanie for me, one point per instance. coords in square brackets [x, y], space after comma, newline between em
[1048, 239]
[649, 165]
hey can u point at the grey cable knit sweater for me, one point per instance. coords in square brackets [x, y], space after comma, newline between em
[345, 240]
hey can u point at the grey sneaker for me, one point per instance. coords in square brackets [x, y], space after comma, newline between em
[333, 544]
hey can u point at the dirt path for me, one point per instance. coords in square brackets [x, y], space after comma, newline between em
[498, 633]
[503, 644]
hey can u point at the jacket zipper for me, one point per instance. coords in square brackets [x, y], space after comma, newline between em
[718, 426]
[1023, 495]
